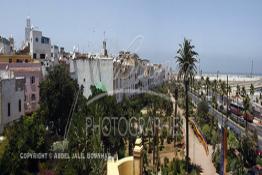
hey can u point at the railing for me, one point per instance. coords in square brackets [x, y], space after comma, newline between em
[199, 135]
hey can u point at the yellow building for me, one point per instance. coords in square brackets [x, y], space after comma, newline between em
[15, 58]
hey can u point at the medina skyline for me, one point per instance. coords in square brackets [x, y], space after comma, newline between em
[227, 35]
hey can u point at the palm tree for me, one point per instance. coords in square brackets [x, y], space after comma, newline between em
[237, 93]
[186, 59]
[229, 90]
[252, 89]
[214, 89]
[207, 84]
[246, 104]
[199, 87]
[223, 90]
[243, 92]
[238, 90]
[202, 82]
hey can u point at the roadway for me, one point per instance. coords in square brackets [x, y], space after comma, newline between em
[232, 125]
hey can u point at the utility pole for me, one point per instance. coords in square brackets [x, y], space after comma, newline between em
[251, 73]
[176, 121]
[224, 140]
[187, 116]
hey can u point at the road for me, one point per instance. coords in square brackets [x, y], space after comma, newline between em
[235, 127]
[197, 152]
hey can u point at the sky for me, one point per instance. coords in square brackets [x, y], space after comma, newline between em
[227, 34]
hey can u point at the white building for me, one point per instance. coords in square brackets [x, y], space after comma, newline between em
[133, 75]
[96, 70]
[12, 98]
[40, 46]
[6, 45]
[55, 54]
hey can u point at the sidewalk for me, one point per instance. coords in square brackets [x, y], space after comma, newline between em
[197, 152]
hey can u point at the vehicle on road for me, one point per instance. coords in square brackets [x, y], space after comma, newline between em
[238, 110]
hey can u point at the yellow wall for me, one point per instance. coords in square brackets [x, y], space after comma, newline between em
[126, 168]
[120, 167]
[15, 58]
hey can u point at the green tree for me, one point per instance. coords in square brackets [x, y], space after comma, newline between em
[214, 87]
[223, 90]
[57, 92]
[252, 89]
[246, 104]
[248, 150]
[207, 85]
[26, 136]
[186, 60]
[229, 90]
[238, 90]
[243, 92]
[233, 142]
[202, 110]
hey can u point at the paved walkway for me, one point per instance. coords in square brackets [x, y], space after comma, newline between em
[197, 152]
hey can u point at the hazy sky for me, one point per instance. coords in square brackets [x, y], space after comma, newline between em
[227, 34]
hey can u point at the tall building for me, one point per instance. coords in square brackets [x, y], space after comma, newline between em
[12, 98]
[40, 46]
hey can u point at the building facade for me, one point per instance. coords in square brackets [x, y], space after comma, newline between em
[6, 45]
[15, 58]
[93, 70]
[40, 46]
[32, 74]
[133, 75]
[55, 54]
[12, 98]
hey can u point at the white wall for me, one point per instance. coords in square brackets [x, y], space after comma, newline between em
[89, 71]
[11, 91]
[37, 46]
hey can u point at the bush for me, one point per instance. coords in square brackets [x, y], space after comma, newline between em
[202, 109]
[206, 132]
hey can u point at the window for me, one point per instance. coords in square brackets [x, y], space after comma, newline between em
[19, 105]
[32, 80]
[36, 39]
[33, 97]
[10, 60]
[42, 56]
[34, 55]
[9, 109]
[52, 54]
[44, 40]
